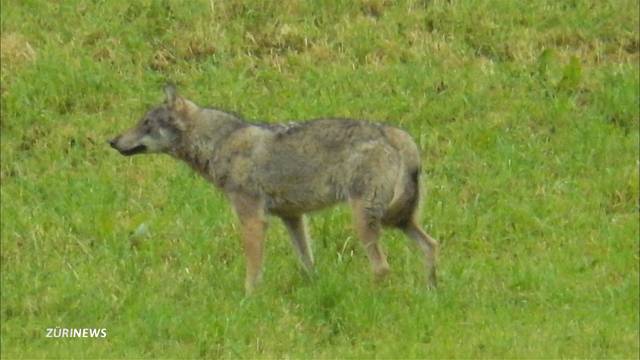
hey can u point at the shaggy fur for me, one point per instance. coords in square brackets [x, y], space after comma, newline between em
[288, 170]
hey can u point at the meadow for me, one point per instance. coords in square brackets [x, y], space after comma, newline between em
[526, 113]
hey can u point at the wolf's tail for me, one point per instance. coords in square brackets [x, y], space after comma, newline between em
[407, 208]
[411, 207]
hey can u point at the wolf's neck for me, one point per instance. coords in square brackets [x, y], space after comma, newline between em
[201, 141]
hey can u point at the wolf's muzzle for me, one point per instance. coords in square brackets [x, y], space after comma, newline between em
[127, 152]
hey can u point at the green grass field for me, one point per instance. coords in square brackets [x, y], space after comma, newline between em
[527, 114]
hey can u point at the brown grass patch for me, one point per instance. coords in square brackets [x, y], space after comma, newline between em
[15, 51]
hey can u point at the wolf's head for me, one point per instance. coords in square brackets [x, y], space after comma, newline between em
[160, 129]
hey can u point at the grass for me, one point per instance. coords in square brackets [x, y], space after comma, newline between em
[526, 114]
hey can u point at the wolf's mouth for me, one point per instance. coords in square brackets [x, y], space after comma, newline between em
[134, 150]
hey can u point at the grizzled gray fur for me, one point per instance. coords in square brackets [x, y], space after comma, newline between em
[288, 170]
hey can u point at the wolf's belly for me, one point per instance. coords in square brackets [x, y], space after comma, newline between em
[301, 198]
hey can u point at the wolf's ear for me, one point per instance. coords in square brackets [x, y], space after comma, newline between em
[177, 102]
[171, 93]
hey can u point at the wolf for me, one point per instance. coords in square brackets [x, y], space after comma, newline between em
[288, 170]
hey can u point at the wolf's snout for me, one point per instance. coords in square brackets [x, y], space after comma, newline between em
[126, 148]
[113, 142]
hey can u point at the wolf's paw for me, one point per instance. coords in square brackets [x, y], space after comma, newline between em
[432, 281]
[381, 274]
[309, 274]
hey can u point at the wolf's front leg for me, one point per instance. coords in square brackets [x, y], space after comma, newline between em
[250, 211]
[253, 230]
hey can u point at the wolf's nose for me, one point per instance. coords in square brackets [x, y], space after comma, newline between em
[112, 142]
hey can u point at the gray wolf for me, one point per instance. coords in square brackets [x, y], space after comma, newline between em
[289, 170]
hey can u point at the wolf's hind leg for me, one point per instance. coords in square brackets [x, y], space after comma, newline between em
[368, 230]
[300, 239]
[253, 223]
[429, 248]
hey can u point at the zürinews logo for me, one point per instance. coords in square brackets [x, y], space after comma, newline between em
[59, 332]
